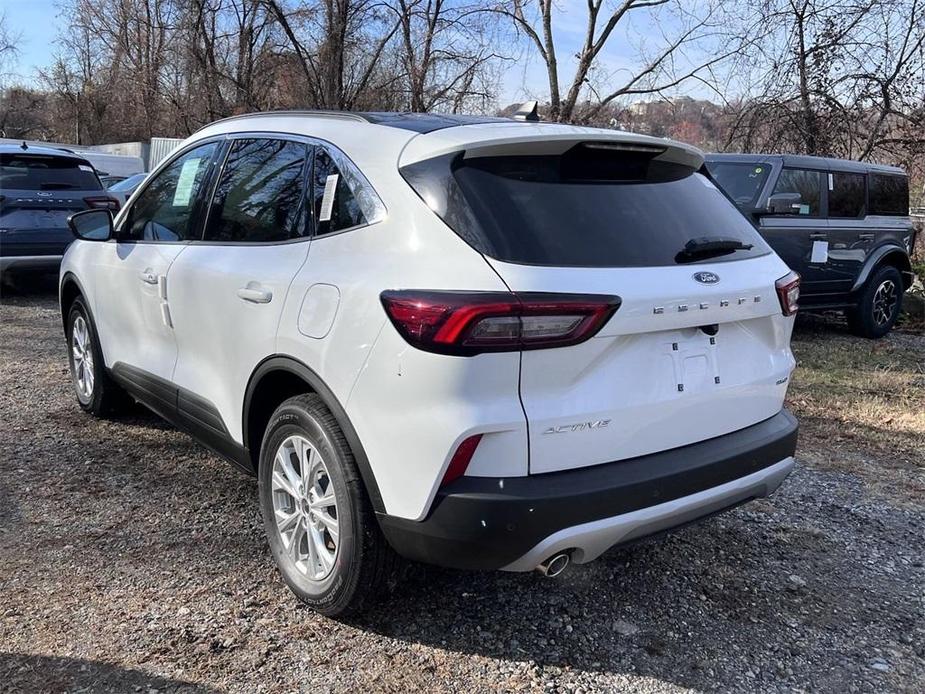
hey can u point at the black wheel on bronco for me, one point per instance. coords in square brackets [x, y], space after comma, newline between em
[880, 304]
[320, 524]
[96, 392]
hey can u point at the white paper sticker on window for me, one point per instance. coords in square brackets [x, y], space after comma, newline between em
[831, 182]
[327, 201]
[184, 192]
[820, 252]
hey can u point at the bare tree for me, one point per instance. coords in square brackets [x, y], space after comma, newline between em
[663, 66]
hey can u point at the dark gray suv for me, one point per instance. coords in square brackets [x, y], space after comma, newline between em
[843, 225]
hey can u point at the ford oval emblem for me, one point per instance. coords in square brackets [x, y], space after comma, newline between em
[706, 277]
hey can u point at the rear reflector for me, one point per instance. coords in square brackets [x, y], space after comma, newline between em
[468, 323]
[788, 291]
[102, 202]
[461, 459]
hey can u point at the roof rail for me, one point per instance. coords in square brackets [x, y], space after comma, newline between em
[315, 113]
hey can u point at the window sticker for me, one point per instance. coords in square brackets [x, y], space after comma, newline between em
[820, 252]
[184, 192]
[804, 209]
[831, 182]
[327, 201]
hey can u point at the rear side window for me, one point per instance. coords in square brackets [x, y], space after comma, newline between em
[847, 195]
[889, 194]
[260, 193]
[742, 182]
[807, 184]
[164, 211]
[580, 209]
[342, 197]
[46, 172]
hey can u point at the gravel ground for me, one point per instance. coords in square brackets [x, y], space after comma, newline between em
[133, 560]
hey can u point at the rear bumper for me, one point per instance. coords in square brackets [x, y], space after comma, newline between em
[515, 523]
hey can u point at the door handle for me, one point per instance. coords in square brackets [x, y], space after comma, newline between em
[818, 237]
[254, 295]
[148, 277]
[866, 237]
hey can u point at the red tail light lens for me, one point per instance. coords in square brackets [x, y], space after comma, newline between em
[461, 459]
[788, 291]
[468, 323]
[102, 203]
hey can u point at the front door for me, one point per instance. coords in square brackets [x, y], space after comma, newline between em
[132, 299]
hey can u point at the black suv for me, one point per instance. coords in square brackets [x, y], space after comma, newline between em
[40, 187]
[843, 225]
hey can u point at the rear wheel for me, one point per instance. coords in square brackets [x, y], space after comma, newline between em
[320, 524]
[96, 392]
[880, 304]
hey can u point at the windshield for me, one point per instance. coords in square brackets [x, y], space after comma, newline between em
[548, 210]
[742, 181]
[129, 183]
[46, 172]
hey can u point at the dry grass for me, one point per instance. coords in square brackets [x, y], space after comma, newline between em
[861, 405]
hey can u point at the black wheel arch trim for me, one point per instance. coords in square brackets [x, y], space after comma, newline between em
[875, 259]
[70, 277]
[315, 382]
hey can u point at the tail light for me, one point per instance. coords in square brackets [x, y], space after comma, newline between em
[461, 459]
[468, 323]
[788, 291]
[102, 202]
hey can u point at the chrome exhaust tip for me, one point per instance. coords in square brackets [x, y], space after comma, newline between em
[555, 565]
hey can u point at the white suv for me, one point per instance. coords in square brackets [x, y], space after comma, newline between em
[480, 343]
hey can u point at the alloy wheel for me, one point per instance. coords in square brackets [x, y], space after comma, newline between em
[885, 302]
[82, 354]
[305, 507]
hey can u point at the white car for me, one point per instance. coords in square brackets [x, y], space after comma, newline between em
[480, 343]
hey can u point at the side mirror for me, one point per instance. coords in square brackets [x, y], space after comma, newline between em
[91, 225]
[784, 203]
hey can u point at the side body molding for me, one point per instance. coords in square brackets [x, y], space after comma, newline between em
[297, 368]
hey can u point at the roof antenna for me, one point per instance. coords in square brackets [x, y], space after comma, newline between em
[24, 145]
[527, 112]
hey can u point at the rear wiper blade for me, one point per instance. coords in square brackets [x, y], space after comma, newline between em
[710, 247]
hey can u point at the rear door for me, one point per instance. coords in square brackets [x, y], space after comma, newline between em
[699, 346]
[850, 236]
[227, 290]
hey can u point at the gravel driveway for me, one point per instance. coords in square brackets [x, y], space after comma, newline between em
[133, 560]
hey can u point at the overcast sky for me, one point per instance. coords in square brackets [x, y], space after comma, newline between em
[38, 24]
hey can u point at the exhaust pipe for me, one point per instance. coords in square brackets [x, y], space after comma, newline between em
[555, 565]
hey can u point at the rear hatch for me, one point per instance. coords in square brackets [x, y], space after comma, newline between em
[38, 192]
[699, 346]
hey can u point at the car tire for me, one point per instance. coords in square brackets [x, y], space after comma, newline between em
[319, 521]
[880, 304]
[96, 392]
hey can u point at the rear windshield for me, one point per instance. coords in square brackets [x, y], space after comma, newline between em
[572, 210]
[741, 181]
[46, 172]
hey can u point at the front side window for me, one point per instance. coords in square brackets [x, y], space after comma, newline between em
[343, 198]
[847, 195]
[807, 184]
[743, 182]
[889, 194]
[165, 209]
[259, 195]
